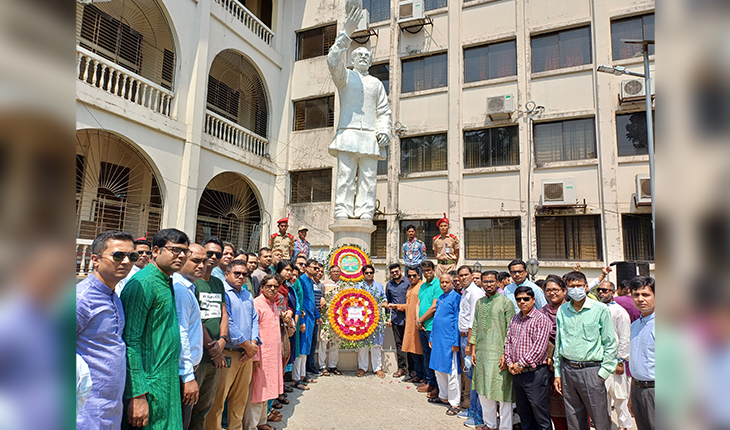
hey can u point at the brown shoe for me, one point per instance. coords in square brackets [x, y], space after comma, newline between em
[424, 388]
[360, 373]
[380, 374]
[399, 373]
[434, 393]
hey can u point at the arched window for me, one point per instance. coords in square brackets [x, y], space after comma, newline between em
[236, 92]
[116, 188]
[229, 210]
[131, 33]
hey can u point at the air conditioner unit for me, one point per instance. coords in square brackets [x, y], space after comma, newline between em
[500, 107]
[364, 25]
[559, 192]
[633, 89]
[643, 190]
[410, 10]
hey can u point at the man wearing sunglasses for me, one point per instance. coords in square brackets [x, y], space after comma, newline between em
[395, 292]
[376, 289]
[144, 249]
[99, 326]
[152, 335]
[210, 294]
[617, 384]
[242, 346]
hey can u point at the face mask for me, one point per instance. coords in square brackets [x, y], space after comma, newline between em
[577, 294]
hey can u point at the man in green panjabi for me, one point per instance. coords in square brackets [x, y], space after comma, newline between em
[153, 337]
[492, 381]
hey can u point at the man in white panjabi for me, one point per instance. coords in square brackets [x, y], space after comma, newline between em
[363, 129]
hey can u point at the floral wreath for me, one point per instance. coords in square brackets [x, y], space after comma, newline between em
[354, 314]
[350, 259]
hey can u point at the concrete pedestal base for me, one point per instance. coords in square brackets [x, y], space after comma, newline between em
[348, 357]
[352, 232]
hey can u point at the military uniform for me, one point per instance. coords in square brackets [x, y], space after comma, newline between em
[445, 250]
[284, 243]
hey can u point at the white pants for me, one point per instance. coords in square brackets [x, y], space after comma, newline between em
[326, 347]
[449, 383]
[299, 368]
[257, 416]
[346, 205]
[375, 356]
[617, 387]
[489, 412]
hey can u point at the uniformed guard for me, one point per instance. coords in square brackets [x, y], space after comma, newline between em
[282, 240]
[446, 248]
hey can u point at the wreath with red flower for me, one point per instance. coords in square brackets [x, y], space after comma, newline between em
[350, 259]
[354, 314]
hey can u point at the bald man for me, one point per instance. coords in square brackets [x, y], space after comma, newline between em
[191, 327]
[444, 343]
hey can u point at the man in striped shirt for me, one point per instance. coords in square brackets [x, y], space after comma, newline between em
[525, 353]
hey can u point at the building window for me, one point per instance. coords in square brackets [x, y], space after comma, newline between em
[638, 237]
[314, 113]
[569, 237]
[490, 61]
[491, 147]
[423, 153]
[383, 164]
[379, 9]
[382, 72]
[493, 238]
[631, 134]
[568, 140]
[434, 4]
[378, 240]
[638, 27]
[561, 49]
[310, 186]
[315, 42]
[424, 73]
[426, 230]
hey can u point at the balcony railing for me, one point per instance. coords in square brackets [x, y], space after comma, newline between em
[114, 79]
[217, 126]
[248, 19]
[83, 258]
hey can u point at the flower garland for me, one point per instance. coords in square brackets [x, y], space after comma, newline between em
[354, 314]
[350, 259]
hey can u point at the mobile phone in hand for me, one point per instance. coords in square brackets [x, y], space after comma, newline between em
[228, 361]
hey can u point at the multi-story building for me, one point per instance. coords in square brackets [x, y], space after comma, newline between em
[214, 116]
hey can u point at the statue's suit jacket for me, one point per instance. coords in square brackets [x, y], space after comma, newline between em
[364, 109]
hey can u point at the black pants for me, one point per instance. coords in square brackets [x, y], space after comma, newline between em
[428, 374]
[187, 410]
[207, 376]
[531, 396]
[643, 405]
[398, 333]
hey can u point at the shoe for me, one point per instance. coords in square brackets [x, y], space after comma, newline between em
[380, 374]
[464, 415]
[424, 388]
[433, 394]
[472, 424]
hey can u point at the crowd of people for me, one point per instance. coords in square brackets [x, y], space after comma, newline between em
[173, 334]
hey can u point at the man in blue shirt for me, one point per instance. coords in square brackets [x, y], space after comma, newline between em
[414, 250]
[242, 346]
[641, 357]
[376, 350]
[191, 327]
[395, 293]
[518, 272]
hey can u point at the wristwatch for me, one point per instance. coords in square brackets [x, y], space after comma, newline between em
[226, 338]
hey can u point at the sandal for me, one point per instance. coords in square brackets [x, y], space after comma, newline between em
[335, 371]
[325, 372]
[436, 400]
[288, 389]
[399, 373]
[265, 427]
[276, 405]
[360, 373]
[283, 402]
[300, 386]
[452, 411]
[273, 418]
[309, 380]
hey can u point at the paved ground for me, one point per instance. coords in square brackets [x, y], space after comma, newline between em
[348, 402]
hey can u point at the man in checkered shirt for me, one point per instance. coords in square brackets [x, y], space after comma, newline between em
[525, 353]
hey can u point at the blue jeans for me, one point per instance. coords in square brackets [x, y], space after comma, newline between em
[475, 408]
[428, 375]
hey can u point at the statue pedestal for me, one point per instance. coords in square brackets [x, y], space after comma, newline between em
[352, 232]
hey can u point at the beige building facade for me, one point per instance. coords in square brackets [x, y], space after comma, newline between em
[215, 116]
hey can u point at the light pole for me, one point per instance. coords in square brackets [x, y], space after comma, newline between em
[618, 71]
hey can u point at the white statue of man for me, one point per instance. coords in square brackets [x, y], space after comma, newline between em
[363, 129]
